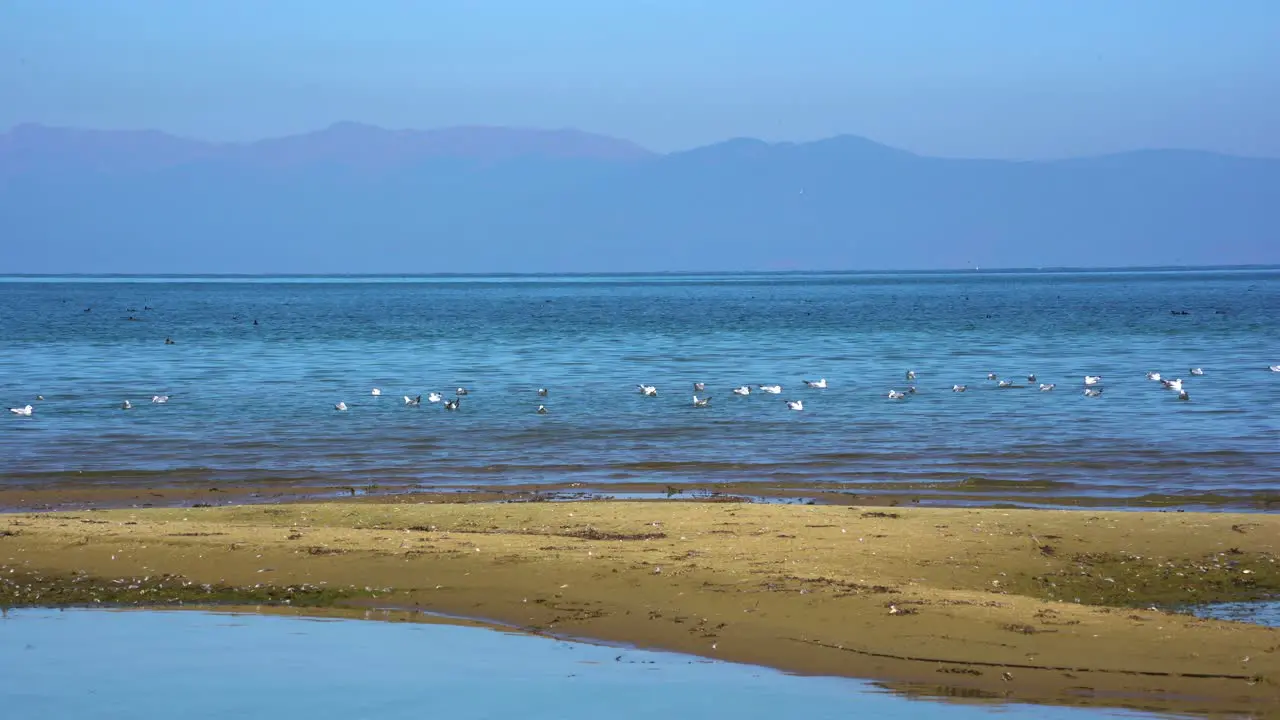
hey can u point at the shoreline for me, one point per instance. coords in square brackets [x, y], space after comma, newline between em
[1044, 606]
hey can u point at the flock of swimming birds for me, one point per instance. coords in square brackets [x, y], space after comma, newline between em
[1092, 385]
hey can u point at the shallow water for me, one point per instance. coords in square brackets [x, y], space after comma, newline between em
[255, 402]
[1265, 612]
[143, 664]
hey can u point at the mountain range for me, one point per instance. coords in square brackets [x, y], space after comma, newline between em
[355, 198]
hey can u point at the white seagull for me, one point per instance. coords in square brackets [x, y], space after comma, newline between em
[1046, 387]
[434, 397]
[1182, 395]
[1093, 392]
[895, 395]
[460, 391]
[452, 404]
[1274, 368]
[1005, 383]
[159, 399]
[412, 400]
[1175, 384]
[1153, 376]
[648, 390]
[991, 376]
[699, 387]
[542, 410]
[742, 390]
[911, 375]
[542, 392]
[820, 383]
[126, 405]
[701, 402]
[1092, 379]
[959, 388]
[340, 406]
[796, 405]
[1031, 378]
[1196, 371]
[25, 410]
[771, 389]
[376, 392]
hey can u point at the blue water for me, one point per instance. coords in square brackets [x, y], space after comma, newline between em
[256, 402]
[104, 664]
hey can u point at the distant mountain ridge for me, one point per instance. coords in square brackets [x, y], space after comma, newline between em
[354, 198]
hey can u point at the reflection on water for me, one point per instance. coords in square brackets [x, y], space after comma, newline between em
[112, 664]
[1259, 613]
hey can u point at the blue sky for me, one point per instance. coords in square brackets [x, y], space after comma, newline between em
[986, 78]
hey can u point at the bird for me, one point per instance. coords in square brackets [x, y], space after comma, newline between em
[1092, 392]
[376, 392]
[991, 376]
[911, 389]
[1182, 395]
[959, 388]
[542, 410]
[460, 391]
[742, 390]
[434, 397]
[39, 397]
[771, 389]
[126, 405]
[648, 390]
[1196, 371]
[1092, 379]
[24, 410]
[1153, 376]
[796, 405]
[1031, 378]
[819, 384]
[699, 387]
[701, 402]
[1005, 383]
[1274, 368]
[1046, 387]
[895, 395]
[452, 404]
[1175, 384]
[339, 407]
[542, 392]
[412, 400]
[911, 375]
[159, 399]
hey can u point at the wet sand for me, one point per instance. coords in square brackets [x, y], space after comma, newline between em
[1031, 605]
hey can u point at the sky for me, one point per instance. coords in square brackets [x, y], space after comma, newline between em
[971, 78]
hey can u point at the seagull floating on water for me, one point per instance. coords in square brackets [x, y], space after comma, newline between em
[820, 383]
[434, 397]
[1175, 384]
[460, 391]
[1182, 395]
[1093, 392]
[991, 376]
[1046, 387]
[39, 397]
[959, 388]
[771, 389]
[1005, 383]
[796, 405]
[25, 410]
[1153, 376]
[452, 404]
[701, 402]
[340, 406]
[1031, 378]
[159, 399]
[895, 395]
[126, 405]
[376, 392]
[542, 410]
[542, 392]
[742, 390]
[412, 400]
[1196, 371]
[648, 390]
[699, 387]
[1274, 368]
[911, 375]
[1092, 379]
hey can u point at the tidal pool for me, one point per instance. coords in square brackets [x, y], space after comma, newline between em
[193, 664]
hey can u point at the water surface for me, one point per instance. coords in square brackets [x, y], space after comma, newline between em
[146, 664]
[254, 402]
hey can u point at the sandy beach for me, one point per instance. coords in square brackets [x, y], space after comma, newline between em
[1064, 607]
